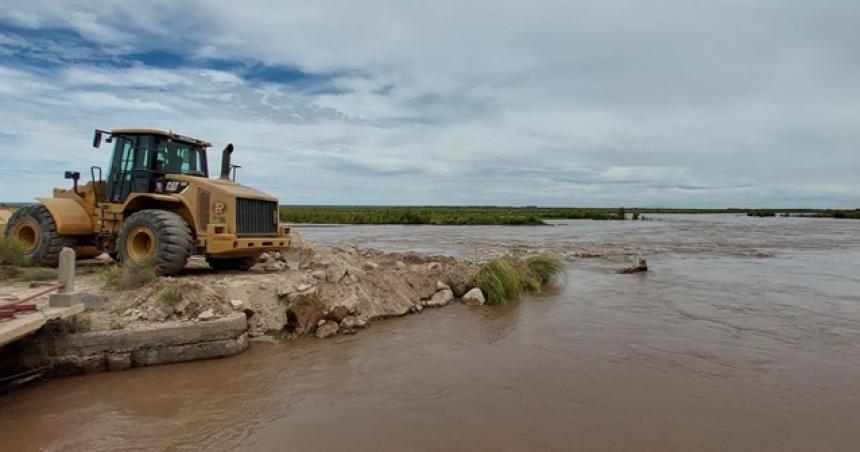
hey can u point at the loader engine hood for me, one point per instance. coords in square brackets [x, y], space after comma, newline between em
[224, 187]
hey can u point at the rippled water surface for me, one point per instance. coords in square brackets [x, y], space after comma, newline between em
[744, 336]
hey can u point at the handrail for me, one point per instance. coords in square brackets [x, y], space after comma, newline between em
[34, 295]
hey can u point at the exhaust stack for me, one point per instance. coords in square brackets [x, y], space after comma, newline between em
[225, 161]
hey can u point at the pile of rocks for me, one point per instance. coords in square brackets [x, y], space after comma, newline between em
[304, 291]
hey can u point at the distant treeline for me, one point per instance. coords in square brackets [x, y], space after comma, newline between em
[853, 214]
[490, 215]
[527, 216]
[434, 215]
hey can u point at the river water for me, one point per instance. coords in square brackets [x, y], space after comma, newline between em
[745, 335]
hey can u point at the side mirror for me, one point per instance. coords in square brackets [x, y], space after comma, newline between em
[73, 175]
[97, 139]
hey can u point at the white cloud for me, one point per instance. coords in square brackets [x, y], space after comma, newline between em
[566, 103]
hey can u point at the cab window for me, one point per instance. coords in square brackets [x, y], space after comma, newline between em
[180, 158]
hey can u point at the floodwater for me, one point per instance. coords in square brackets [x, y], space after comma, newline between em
[745, 335]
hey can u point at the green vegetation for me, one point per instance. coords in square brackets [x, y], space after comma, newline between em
[499, 281]
[37, 274]
[488, 215]
[761, 213]
[169, 296]
[852, 214]
[522, 216]
[129, 276]
[506, 279]
[11, 253]
[546, 269]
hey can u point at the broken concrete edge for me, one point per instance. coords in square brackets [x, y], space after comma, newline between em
[167, 343]
[27, 324]
[159, 334]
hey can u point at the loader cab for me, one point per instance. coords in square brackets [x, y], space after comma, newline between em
[142, 161]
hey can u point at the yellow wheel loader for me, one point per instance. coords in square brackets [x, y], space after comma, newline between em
[157, 206]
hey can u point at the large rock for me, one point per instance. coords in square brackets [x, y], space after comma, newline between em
[334, 272]
[474, 297]
[641, 265]
[355, 274]
[348, 323]
[274, 267]
[337, 313]
[441, 298]
[328, 329]
[300, 253]
[208, 314]
[306, 310]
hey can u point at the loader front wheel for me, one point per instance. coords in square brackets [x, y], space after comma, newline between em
[155, 237]
[35, 231]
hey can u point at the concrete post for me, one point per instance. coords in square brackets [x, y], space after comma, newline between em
[66, 270]
[67, 295]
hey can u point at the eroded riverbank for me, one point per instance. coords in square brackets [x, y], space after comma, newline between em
[203, 314]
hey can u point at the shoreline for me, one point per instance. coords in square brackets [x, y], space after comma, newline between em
[304, 292]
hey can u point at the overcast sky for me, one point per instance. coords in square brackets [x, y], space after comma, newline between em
[563, 103]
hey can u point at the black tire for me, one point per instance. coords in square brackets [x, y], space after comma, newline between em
[171, 241]
[236, 263]
[46, 244]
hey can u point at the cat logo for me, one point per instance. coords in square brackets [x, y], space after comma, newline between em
[219, 208]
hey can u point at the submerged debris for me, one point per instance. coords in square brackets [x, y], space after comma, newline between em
[641, 265]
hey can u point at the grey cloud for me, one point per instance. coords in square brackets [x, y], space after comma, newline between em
[727, 103]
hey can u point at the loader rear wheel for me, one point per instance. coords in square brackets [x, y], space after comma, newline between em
[157, 237]
[236, 263]
[35, 230]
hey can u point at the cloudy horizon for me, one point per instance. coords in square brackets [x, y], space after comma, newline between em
[587, 103]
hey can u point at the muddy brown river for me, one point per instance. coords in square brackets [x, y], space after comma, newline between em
[745, 335]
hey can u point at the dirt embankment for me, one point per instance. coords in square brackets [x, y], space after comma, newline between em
[303, 291]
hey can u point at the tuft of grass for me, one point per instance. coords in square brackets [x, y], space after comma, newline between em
[169, 296]
[547, 269]
[38, 274]
[129, 276]
[506, 279]
[11, 252]
[500, 281]
[111, 275]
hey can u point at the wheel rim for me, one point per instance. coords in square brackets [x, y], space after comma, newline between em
[140, 244]
[27, 235]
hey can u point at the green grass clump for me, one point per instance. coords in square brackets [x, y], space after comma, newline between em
[129, 276]
[169, 296]
[38, 274]
[499, 281]
[11, 252]
[506, 279]
[546, 269]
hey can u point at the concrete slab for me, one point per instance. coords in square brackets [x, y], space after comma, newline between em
[26, 324]
[159, 343]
